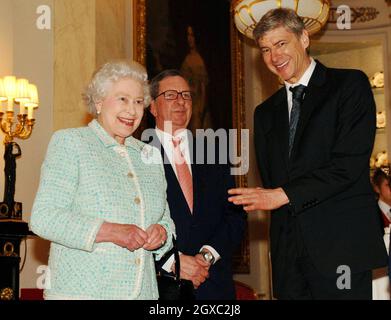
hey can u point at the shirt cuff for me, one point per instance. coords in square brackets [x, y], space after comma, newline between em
[170, 261]
[212, 251]
[168, 264]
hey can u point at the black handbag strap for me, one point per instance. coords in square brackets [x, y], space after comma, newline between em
[177, 260]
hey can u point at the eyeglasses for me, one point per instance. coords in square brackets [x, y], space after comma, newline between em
[173, 95]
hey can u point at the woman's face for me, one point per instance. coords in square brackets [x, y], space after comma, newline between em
[121, 111]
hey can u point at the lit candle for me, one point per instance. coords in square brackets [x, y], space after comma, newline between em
[10, 106]
[30, 110]
[33, 101]
[22, 93]
[22, 108]
[10, 91]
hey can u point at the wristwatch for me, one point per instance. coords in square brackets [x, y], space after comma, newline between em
[208, 256]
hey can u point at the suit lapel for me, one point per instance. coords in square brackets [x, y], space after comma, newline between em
[315, 95]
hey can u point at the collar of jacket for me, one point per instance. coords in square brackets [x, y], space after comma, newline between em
[109, 141]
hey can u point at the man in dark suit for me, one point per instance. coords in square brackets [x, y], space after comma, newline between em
[208, 227]
[313, 140]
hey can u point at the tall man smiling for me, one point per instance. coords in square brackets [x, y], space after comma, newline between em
[313, 139]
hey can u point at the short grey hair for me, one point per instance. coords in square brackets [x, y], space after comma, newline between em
[280, 17]
[110, 73]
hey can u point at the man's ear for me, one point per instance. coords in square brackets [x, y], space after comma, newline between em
[376, 188]
[305, 39]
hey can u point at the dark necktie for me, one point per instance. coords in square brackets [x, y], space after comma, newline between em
[297, 99]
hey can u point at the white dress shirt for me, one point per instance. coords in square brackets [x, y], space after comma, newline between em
[166, 141]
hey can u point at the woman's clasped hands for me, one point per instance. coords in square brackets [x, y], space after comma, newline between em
[132, 237]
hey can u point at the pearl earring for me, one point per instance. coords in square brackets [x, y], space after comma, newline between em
[98, 113]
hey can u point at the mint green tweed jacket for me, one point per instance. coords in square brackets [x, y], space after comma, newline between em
[88, 178]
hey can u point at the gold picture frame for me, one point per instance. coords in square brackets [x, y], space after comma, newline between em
[241, 263]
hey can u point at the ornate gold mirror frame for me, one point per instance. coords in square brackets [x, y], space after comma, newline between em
[241, 263]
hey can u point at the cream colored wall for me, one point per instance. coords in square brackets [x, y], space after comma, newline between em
[74, 57]
[129, 29]
[6, 37]
[87, 34]
[6, 59]
[110, 30]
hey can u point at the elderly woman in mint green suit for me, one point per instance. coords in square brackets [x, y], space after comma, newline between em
[102, 197]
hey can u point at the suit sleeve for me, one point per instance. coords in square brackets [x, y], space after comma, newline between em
[350, 154]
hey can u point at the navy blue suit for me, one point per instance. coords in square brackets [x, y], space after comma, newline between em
[214, 222]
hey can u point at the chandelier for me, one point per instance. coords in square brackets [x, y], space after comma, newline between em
[247, 13]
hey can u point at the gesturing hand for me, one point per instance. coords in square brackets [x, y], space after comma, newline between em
[157, 236]
[258, 198]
